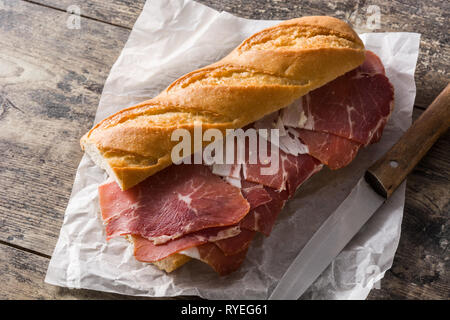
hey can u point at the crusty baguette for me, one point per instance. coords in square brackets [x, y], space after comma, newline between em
[172, 262]
[265, 73]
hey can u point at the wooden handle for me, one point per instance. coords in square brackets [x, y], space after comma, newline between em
[391, 169]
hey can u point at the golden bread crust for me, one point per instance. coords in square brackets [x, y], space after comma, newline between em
[268, 71]
[172, 262]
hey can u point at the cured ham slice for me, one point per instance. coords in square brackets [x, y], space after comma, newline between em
[146, 251]
[372, 64]
[299, 171]
[290, 143]
[355, 106]
[292, 172]
[176, 201]
[227, 170]
[255, 194]
[236, 244]
[213, 213]
[231, 240]
[334, 151]
[263, 218]
[213, 256]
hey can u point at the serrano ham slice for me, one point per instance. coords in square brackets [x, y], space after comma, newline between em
[231, 240]
[236, 244]
[334, 151]
[292, 172]
[192, 210]
[213, 256]
[372, 64]
[176, 201]
[355, 106]
[255, 194]
[263, 218]
[146, 251]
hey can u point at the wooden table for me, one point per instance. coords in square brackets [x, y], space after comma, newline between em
[51, 78]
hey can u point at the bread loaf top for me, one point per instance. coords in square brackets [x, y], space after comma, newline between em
[265, 73]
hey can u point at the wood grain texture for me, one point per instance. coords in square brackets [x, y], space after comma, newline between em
[50, 85]
[121, 13]
[51, 79]
[425, 17]
[22, 274]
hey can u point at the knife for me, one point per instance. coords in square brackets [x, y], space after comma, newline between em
[377, 185]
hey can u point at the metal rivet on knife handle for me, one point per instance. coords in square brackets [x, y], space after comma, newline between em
[385, 177]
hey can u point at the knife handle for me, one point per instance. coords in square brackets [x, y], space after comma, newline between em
[389, 171]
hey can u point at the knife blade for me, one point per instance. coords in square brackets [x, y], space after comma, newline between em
[325, 243]
[377, 185]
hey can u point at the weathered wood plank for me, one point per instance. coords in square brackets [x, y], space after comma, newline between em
[50, 83]
[22, 277]
[425, 17]
[118, 12]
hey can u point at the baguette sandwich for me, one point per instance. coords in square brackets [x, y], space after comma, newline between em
[309, 78]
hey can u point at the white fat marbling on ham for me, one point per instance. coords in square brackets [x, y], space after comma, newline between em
[233, 245]
[262, 218]
[334, 151]
[291, 172]
[255, 194]
[191, 252]
[227, 170]
[291, 114]
[178, 200]
[188, 211]
[211, 254]
[354, 106]
[146, 250]
[233, 181]
[280, 126]
[292, 145]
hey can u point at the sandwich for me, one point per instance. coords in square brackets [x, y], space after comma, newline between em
[306, 89]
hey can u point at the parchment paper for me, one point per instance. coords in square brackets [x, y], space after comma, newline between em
[169, 39]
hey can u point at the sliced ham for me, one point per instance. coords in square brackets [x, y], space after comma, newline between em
[355, 106]
[372, 64]
[263, 218]
[290, 143]
[146, 251]
[213, 256]
[292, 172]
[236, 244]
[176, 201]
[255, 194]
[300, 170]
[212, 214]
[227, 170]
[334, 151]
[231, 240]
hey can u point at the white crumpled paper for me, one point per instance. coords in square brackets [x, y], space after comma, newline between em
[169, 39]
